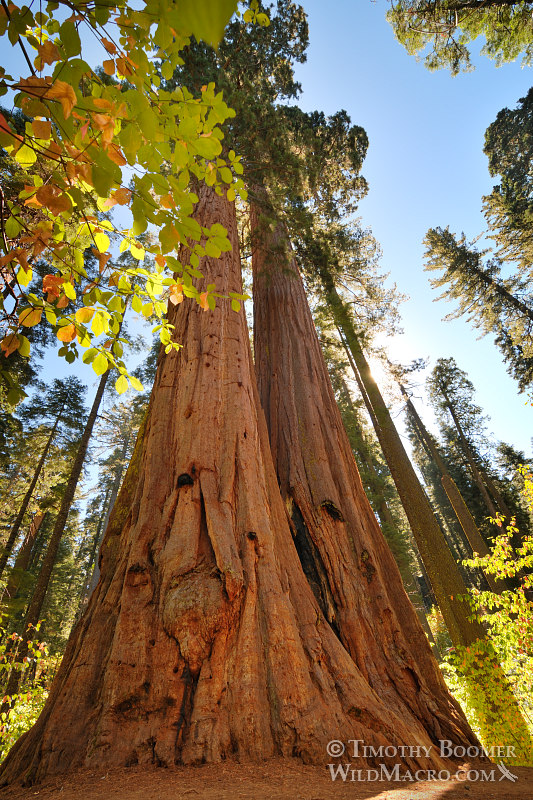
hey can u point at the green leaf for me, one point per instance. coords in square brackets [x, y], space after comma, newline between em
[208, 147]
[89, 355]
[121, 384]
[24, 346]
[13, 227]
[100, 363]
[225, 174]
[70, 39]
[207, 18]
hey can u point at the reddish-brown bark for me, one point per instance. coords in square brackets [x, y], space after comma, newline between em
[203, 639]
[343, 551]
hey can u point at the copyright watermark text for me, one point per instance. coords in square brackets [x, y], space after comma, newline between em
[356, 748]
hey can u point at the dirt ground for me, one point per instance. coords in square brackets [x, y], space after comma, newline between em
[277, 779]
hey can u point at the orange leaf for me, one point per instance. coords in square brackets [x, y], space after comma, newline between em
[53, 198]
[167, 201]
[65, 94]
[122, 196]
[161, 260]
[48, 53]
[9, 344]
[176, 294]
[63, 301]
[116, 156]
[7, 258]
[109, 46]
[103, 258]
[203, 301]
[102, 102]
[53, 151]
[42, 128]
[51, 284]
[109, 66]
[66, 334]
[4, 127]
[34, 86]
[123, 67]
[106, 124]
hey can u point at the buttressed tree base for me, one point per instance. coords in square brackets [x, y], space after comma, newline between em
[203, 639]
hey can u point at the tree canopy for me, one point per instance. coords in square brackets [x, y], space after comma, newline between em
[90, 139]
[441, 31]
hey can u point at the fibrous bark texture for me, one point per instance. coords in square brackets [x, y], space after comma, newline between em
[203, 639]
[342, 549]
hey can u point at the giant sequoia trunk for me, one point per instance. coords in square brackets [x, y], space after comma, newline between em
[203, 639]
[341, 547]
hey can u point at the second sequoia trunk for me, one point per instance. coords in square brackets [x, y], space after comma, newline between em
[203, 639]
[342, 550]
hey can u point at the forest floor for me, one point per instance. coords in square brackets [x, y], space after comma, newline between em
[277, 779]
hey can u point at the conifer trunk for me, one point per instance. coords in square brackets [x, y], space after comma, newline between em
[203, 639]
[93, 568]
[467, 451]
[12, 538]
[443, 572]
[465, 518]
[35, 605]
[23, 558]
[343, 552]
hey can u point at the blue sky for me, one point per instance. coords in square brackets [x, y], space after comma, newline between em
[425, 167]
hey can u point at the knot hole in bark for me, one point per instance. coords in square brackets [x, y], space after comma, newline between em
[333, 511]
[184, 480]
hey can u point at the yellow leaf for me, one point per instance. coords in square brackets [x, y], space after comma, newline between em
[137, 251]
[101, 241]
[67, 333]
[65, 94]
[30, 317]
[84, 314]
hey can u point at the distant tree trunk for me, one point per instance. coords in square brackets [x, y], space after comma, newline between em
[23, 558]
[335, 531]
[43, 579]
[442, 570]
[203, 639]
[12, 538]
[87, 586]
[467, 452]
[95, 571]
[440, 565]
[475, 539]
